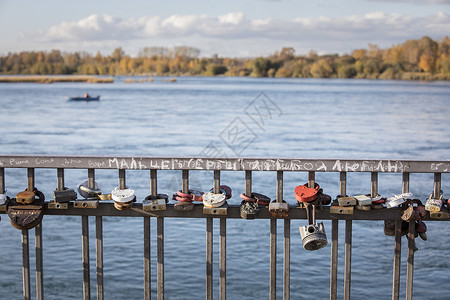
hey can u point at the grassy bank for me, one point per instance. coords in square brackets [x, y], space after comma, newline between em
[51, 79]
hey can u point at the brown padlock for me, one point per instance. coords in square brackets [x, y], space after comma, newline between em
[25, 197]
[408, 214]
[26, 216]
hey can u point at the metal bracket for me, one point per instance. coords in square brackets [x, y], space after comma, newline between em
[57, 205]
[85, 203]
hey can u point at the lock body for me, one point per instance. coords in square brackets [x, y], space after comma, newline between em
[279, 209]
[249, 210]
[313, 236]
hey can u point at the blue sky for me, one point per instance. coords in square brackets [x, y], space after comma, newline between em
[229, 28]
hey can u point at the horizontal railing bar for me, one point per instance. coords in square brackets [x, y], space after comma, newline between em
[225, 164]
[107, 209]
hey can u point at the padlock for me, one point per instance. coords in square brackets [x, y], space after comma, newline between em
[378, 200]
[408, 214]
[261, 199]
[249, 210]
[313, 236]
[25, 197]
[323, 199]
[346, 201]
[224, 189]
[389, 227]
[377, 206]
[3, 201]
[279, 209]
[221, 210]
[363, 200]
[396, 200]
[363, 207]
[86, 192]
[26, 216]
[183, 205]
[433, 205]
[439, 214]
[419, 212]
[342, 210]
[305, 194]
[155, 203]
[123, 198]
[65, 195]
[214, 200]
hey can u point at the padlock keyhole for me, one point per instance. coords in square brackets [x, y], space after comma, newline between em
[311, 229]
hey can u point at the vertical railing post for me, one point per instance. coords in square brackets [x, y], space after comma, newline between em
[85, 243]
[411, 244]
[287, 242]
[2, 181]
[160, 244]
[335, 239]
[348, 251]
[147, 253]
[26, 244]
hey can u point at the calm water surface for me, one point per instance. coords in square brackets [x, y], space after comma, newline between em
[309, 118]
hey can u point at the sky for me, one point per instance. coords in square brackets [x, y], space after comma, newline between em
[232, 28]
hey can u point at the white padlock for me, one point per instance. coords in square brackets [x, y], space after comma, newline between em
[396, 200]
[363, 200]
[213, 200]
[123, 196]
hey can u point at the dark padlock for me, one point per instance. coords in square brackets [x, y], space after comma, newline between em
[26, 216]
[279, 209]
[313, 236]
[389, 227]
[249, 210]
[65, 195]
[323, 199]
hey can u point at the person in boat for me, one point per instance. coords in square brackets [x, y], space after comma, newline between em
[86, 95]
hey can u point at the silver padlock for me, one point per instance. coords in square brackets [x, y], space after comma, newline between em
[313, 236]
[279, 209]
[434, 205]
[65, 195]
[215, 204]
[363, 200]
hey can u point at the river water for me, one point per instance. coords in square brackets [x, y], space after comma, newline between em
[305, 118]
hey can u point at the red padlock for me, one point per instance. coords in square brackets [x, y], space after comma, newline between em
[305, 194]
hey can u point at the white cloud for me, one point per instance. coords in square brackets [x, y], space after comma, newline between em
[332, 34]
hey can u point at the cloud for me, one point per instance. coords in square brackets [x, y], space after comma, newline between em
[339, 33]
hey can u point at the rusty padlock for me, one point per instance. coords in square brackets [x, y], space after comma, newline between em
[303, 193]
[26, 216]
[279, 209]
[408, 214]
[346, 201]
[249, 210]
[419, 212]
[25, 197]
[421, 228]
[389, 227]
[323, 199]
[155, 203]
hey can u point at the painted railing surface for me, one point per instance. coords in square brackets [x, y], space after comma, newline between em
[218, 165]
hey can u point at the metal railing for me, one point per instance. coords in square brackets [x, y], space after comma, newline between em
[247, 166]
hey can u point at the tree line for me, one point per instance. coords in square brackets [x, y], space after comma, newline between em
[423, 58]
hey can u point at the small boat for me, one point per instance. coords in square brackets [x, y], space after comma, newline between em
[84, 98]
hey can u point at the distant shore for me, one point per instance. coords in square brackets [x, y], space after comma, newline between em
[51, 79]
